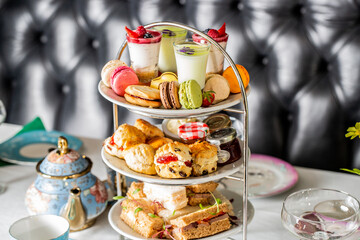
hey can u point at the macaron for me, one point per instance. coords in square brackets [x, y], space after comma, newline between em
[174, 94]
[190, 94]
[122, 78]
[218, 84]
[164, 95]
[169, 95]
[108, 70]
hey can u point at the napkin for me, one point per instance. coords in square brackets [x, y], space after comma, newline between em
[35, 124]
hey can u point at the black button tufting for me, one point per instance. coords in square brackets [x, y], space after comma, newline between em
[182, 2]
[95, 43]
[298, 10]
[265, 60]
[65, 89]
[43, 38]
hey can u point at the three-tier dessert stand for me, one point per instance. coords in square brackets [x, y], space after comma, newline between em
[172, 114]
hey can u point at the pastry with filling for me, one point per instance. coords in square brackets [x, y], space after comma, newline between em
[173, 160]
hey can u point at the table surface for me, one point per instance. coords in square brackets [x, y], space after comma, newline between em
[266, 223]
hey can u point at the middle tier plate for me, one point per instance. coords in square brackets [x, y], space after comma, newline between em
[119, 165]
[111, 96]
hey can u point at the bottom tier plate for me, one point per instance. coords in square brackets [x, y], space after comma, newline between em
[122, 228]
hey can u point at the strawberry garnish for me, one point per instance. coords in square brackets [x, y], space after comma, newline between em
[131, 33]
[140, 31]
[213, 33]
[208, 98]
[221, 31]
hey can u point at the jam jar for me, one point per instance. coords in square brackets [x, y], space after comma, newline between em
[226, 140]
[192, 132]
[218, 121]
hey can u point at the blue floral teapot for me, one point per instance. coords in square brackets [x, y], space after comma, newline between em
[62, 171]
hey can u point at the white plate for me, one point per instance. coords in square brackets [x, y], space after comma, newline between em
[125, 230]
[111, 96]
[268, 176]
[119, 165]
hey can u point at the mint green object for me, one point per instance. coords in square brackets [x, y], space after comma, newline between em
[194, 95]
[182, 96]
[190, 94]
[35, 124]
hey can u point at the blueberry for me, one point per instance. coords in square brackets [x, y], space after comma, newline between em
[148, 35]
[206, 30]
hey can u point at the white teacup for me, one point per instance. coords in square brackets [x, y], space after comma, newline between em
[40, 227]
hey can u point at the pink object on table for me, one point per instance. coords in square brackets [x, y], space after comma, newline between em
[122, 77]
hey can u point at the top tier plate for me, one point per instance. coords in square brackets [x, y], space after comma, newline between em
[162, 113]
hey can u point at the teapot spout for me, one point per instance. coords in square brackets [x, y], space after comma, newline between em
[74, 211]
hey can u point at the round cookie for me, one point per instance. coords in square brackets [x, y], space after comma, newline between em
[148, 129]
[140, 158]
[173, 160]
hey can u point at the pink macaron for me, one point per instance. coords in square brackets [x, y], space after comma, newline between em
[122, 77]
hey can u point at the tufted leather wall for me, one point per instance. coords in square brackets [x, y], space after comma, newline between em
[303, 58]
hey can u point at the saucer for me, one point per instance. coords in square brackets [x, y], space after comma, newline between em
[30, 147]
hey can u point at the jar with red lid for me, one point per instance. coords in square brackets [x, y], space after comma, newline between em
[192, 132]
[226, 139]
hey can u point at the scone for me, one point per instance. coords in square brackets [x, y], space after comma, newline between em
[173, 160]
[148, 129]
[124, 137]
[140, 158]
[159, 141]
[111, 148]
[204, 157]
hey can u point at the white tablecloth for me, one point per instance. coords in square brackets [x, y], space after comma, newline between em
[266, 223]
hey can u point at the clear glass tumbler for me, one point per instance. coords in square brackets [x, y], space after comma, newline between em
[191, 60]
[322, 214]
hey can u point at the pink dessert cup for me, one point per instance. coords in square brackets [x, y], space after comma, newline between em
[144, 55]
[215, 62]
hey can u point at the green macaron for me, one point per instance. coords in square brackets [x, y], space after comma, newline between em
[190, 94]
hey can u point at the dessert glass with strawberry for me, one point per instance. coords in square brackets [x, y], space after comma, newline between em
[191, 59]
[144, 46]
[170, 35]
[216, 58]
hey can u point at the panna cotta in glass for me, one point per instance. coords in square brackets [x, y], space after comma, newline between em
[170, 35]
[216, 58]
[191, 59]
[144, 47]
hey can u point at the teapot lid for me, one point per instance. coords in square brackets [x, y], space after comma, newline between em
[63, 161]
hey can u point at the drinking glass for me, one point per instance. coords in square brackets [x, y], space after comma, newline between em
[191, 59]
[170, 35]
[215, 62]
[322, 214]
[144, 55]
